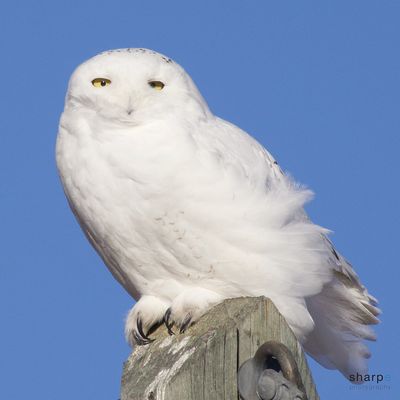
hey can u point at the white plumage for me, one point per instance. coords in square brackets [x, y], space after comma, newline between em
[186, 210]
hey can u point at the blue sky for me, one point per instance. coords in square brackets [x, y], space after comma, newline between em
[316, 82]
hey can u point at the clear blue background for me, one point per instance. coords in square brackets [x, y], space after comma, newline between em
[316, 82]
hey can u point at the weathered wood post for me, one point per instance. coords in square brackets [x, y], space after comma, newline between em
[203, 363]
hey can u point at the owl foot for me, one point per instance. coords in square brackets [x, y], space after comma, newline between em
[188, 307]
[146, 314]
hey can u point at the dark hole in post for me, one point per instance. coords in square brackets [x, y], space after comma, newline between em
[272, 363]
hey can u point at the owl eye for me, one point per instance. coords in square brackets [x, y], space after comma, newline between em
[101, 82]
[158, 85]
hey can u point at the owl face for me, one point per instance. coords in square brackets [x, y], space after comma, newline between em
[132, 86]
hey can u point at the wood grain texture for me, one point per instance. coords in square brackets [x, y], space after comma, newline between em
[202, 364]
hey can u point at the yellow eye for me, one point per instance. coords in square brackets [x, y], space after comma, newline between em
[158, 85]
[101, 82]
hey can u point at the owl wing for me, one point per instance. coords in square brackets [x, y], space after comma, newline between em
[238, 150]
[343, 308]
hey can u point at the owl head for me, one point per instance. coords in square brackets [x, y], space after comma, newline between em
[133, 86]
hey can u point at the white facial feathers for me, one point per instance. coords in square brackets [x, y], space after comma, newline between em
[128, 94]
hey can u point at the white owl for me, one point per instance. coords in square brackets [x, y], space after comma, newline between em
[187, 210]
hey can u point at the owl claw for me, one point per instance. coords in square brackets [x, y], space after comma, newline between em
[139, 335]
[167, 322]
[186, 323]
[139, 340]
[143, 319]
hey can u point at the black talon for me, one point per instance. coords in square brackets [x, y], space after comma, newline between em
[186, 323]
[139, 339]
[143, 339]
[169, 325]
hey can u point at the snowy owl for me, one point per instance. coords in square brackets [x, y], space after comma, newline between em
[187, 210]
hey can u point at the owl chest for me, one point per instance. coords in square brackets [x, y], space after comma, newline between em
[144, 203]
[124, 194]
[135, 227]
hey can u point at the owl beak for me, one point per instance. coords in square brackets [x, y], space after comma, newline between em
[129, 110]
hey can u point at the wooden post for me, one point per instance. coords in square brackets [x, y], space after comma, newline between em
[203, 362]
